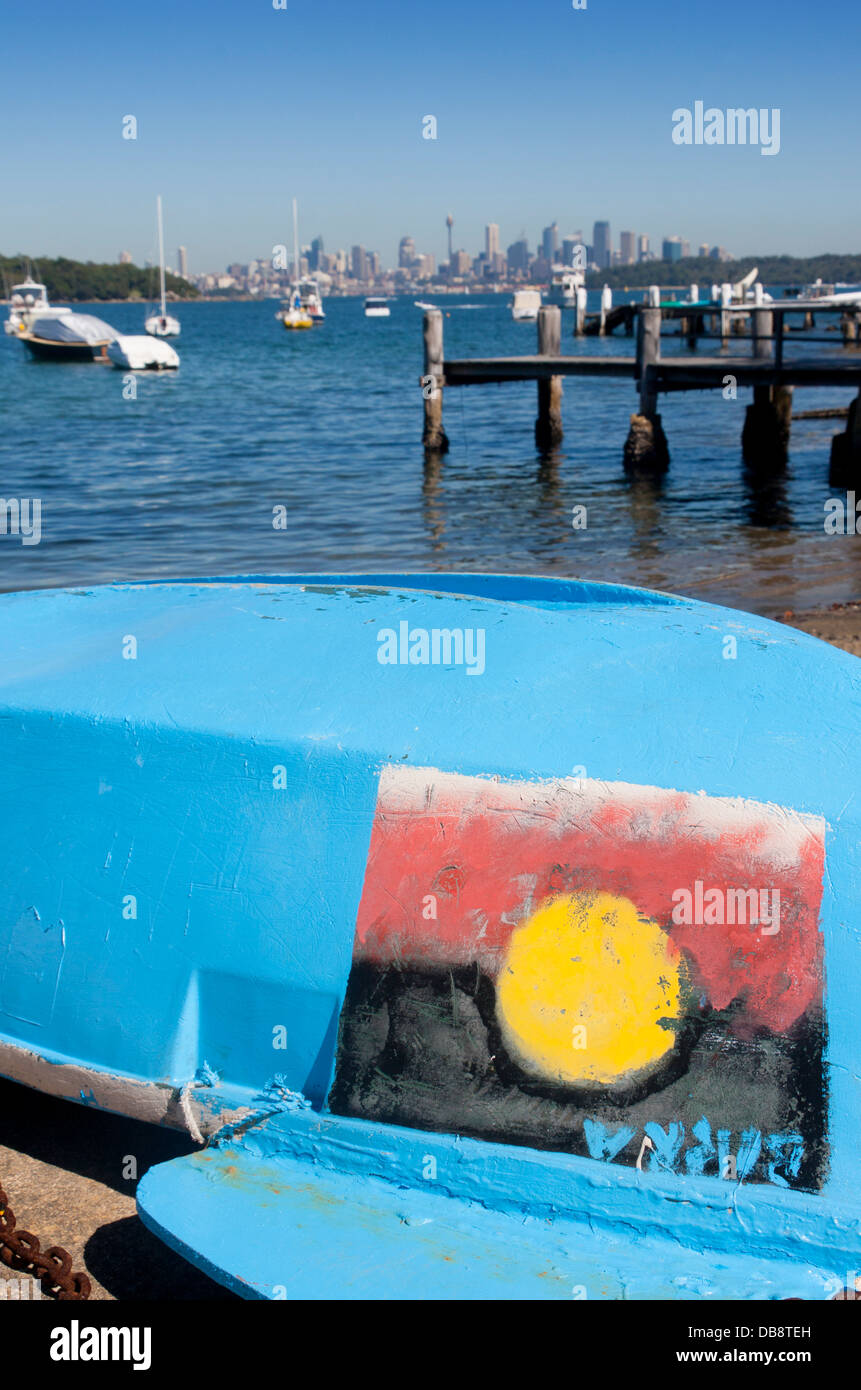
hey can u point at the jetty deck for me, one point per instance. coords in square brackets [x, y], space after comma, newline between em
[766, 368]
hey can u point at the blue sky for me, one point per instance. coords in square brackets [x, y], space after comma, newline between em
[544, 112]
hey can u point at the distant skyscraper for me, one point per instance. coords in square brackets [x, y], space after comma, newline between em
[460, 263]
[704, 249]
[603, 244]
[449, 222]
[671, 248]
[642, 248]
[569, 247]
[491, 239]
[182, 262]
[315, 253]
[518, 255]
[359, 263]
[125, 258]
[406, 252]
[627, 247]
[686, 248]
[550, 242]
[374, 263]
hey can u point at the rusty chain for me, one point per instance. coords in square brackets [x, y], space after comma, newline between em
[53, 1268]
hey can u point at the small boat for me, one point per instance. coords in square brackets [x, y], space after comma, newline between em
[162, 324]
[141, 353]
[377, 308]
[471, 966]
[293, 314]
[70, 337]
[564, 284]
[421, 304]
[525, 305]
[28, 302]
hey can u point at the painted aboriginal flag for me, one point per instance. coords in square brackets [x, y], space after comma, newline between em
[622, 972]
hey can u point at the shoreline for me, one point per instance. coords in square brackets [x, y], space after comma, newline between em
[838, 624]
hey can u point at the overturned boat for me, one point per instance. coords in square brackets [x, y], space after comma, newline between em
[493, 936]
[138, 352]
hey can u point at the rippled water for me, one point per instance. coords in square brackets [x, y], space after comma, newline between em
[183, 480]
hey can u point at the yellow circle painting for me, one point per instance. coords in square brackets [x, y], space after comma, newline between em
[584, 988]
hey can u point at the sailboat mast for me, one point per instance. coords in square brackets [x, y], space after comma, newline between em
[295, 241]
[161, 257]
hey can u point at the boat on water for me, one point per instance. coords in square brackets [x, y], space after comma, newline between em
[141, 353]
[376, 307]
[525, 305]
[303, 308]
[161, 324]
[28, 302]
[416, 950]
[564, 284]
[70, 337]
[422, 304]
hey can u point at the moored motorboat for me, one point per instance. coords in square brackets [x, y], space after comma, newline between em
[424, 942]
[376, 307]
[525, 305]
[28, 302]
[70, 337]
[141, 352]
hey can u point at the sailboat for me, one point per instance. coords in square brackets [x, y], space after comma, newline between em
[293, 312]
[162, 324]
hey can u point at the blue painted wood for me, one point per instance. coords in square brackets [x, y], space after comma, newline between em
[152, 780]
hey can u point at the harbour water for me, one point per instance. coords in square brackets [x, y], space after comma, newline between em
[184, 479]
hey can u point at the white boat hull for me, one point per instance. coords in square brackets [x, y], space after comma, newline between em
[139, 353]
[162, 327]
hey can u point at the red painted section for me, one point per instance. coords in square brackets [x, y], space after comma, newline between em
[489, 853]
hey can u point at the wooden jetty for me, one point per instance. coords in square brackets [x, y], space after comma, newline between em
[766, 369]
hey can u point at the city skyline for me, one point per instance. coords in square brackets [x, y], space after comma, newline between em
[512, 126]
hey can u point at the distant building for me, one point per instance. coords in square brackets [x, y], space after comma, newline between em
[518, 256]
[491, 239]
[460, 264]
[550, 242]
[569, 247]
[643, 252]
[627, 247]
[406, 252]
[425, 267]
[125, 258]
[375, 264]
[359, 263]
[686, 248]
[671, 248]
[602, 244]
[316, 253]
[720, 253]
[704, 249]
[182, 262]
[540, 269]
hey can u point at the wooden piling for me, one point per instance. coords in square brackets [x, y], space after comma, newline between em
[646, 448]
[548, 426]
[579, 311]
[849, 325]
[845, 469]
[434, 436]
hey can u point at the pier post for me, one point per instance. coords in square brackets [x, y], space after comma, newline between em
[606, 306]
[849, 325]
[580, 311]
[646, 446]
[845, 469]
[765, 437]
[548, 426]
[725, 315]
[434, 436]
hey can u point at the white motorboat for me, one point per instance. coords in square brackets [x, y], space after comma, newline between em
[377, 308]
[70, 337]
[141, 352]
[28, 302]
[162, 324]
[525, 305]
[564, 285]
[421, 304]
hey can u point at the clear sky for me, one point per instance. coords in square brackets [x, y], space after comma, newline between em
[544, 113]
